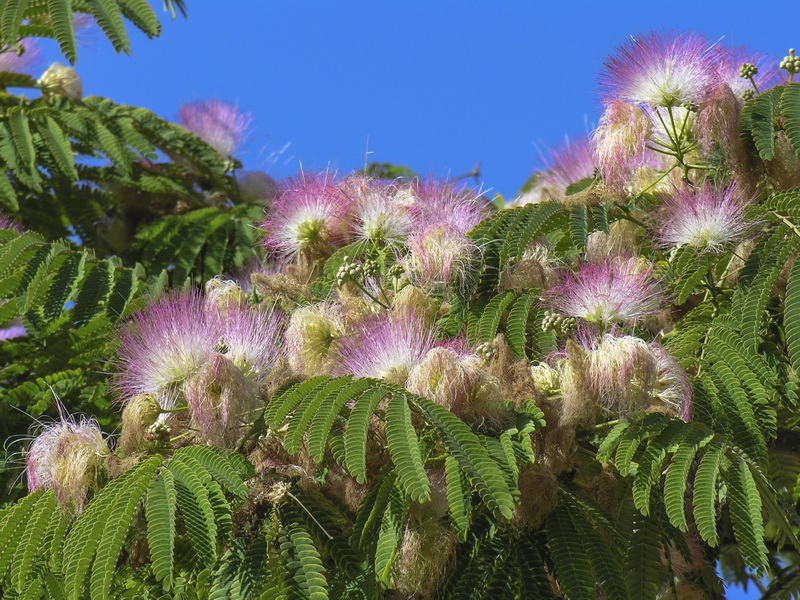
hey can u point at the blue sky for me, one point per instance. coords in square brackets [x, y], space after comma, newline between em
[437, 86]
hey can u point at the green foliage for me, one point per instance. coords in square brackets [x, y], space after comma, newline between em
[54, 19]
[775, 110]
[539, 486]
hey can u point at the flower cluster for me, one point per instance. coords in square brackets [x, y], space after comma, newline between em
[423, 223]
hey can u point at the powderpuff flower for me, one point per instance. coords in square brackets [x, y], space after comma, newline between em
[705, 218]
[565, 164]
[67, 457]
[456, 205]
[609, 292]
[7, 222]
[250, 339]
[386, 347]
[729, 61]
[440, 256]
[309, 215]
[673, 388]
[379, 217]
[15, 329]
[661, 69]
[164, 345]
[619, 144]
[219, 399]
[219, 124]
[28, 58]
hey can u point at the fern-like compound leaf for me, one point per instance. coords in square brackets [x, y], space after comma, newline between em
[405, 451]
[160, 514]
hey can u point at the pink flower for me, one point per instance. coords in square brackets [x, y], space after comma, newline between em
[385, 347]
[661, 69]
[705, 218]
[28, 60]
[450, 203]
[565, 164]
[251, 339]
[219, 124]
[15, 331]
[729, 61]
[379, 213]
[165, 344]
[607, 293]
[310, 213]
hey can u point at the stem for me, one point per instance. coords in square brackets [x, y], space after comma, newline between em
[652, 185]
[369, 295]
[753, 82]
[787, 222]
[173, 410]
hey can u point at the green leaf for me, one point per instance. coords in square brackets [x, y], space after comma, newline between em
[677, 476]
[61, 21]
[705, 494]
[355, 436]
[763, 128]
[572, 568]
[791, 316]
[472, 457]
[748, 522]
[790, 109]
[160, 515]
[404, 450]
[304, 563]
[517, 323]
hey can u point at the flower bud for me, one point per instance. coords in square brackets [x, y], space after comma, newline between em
[140, 412]
[62, 81]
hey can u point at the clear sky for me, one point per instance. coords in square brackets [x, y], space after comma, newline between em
[437, 86]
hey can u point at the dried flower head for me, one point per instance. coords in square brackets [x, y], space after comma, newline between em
[310, 214]
[312, 332]
[623, 374]
[445, 377]
[565, 164]
[619, 143]
[661, 69]
[385, 347]
[706, 218]
[609, 292]
[67, 457]
[219, 124]
[224, 292]
[220, 399]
